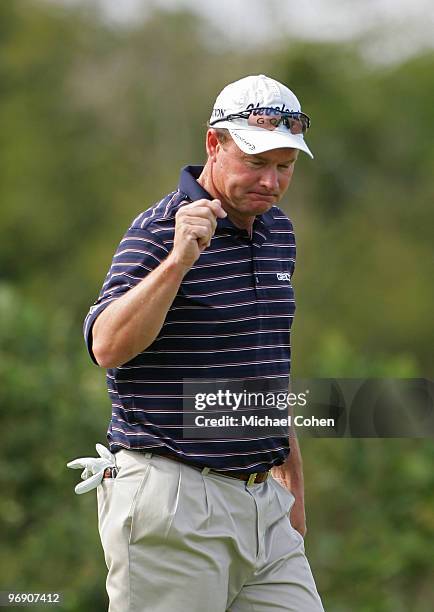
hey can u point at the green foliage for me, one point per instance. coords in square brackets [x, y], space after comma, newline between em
[371, 503]
[95, 125]
[52, 410]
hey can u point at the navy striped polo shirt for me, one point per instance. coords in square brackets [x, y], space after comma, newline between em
[230, 321]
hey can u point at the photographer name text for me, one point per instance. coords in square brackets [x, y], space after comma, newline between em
[265, 421]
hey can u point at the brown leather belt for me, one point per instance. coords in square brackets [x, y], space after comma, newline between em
[253, 478]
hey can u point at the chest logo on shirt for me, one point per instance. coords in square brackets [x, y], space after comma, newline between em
[283, 276]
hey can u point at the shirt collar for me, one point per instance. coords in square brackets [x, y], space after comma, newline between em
[189, 186]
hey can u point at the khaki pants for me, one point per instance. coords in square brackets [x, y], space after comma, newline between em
[176, 540]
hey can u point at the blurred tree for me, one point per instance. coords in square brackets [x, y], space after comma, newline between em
[364, 246]
[371, 503]
[52, 408]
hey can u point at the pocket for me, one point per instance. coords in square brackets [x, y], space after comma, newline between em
[138, 493]
[286, 501]
[285, 497]
[156, 501]
[117, 498]
[103, 494]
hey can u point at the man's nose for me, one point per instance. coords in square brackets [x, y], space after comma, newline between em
[270, 179]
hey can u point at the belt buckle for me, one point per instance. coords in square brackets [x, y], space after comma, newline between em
[251, 479]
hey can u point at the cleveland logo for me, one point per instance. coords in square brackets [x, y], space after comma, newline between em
[283, 276]
[267, 110]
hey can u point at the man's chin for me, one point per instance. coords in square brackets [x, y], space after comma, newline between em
[259, 206]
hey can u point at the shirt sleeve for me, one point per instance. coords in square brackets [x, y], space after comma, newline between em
[139, 252]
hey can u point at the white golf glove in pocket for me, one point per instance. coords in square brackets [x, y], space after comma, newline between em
[94, 468]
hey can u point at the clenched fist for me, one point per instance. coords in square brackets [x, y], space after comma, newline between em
[195, 225]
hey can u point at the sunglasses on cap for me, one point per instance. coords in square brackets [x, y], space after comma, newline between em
[270, 119]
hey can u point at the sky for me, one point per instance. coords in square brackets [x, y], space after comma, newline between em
[389, 29]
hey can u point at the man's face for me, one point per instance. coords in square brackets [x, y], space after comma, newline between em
[250, 185]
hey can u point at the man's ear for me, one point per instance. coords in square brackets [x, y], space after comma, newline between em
[212, 144]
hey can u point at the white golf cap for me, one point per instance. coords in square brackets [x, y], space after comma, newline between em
[263, 101]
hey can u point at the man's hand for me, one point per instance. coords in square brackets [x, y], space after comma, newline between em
[298, 515]
[290, 476]
[132, 322]
[195, 225]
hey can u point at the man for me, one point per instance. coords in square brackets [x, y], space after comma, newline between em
[199, 290]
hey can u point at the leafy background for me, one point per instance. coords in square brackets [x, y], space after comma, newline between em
[96, 122]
